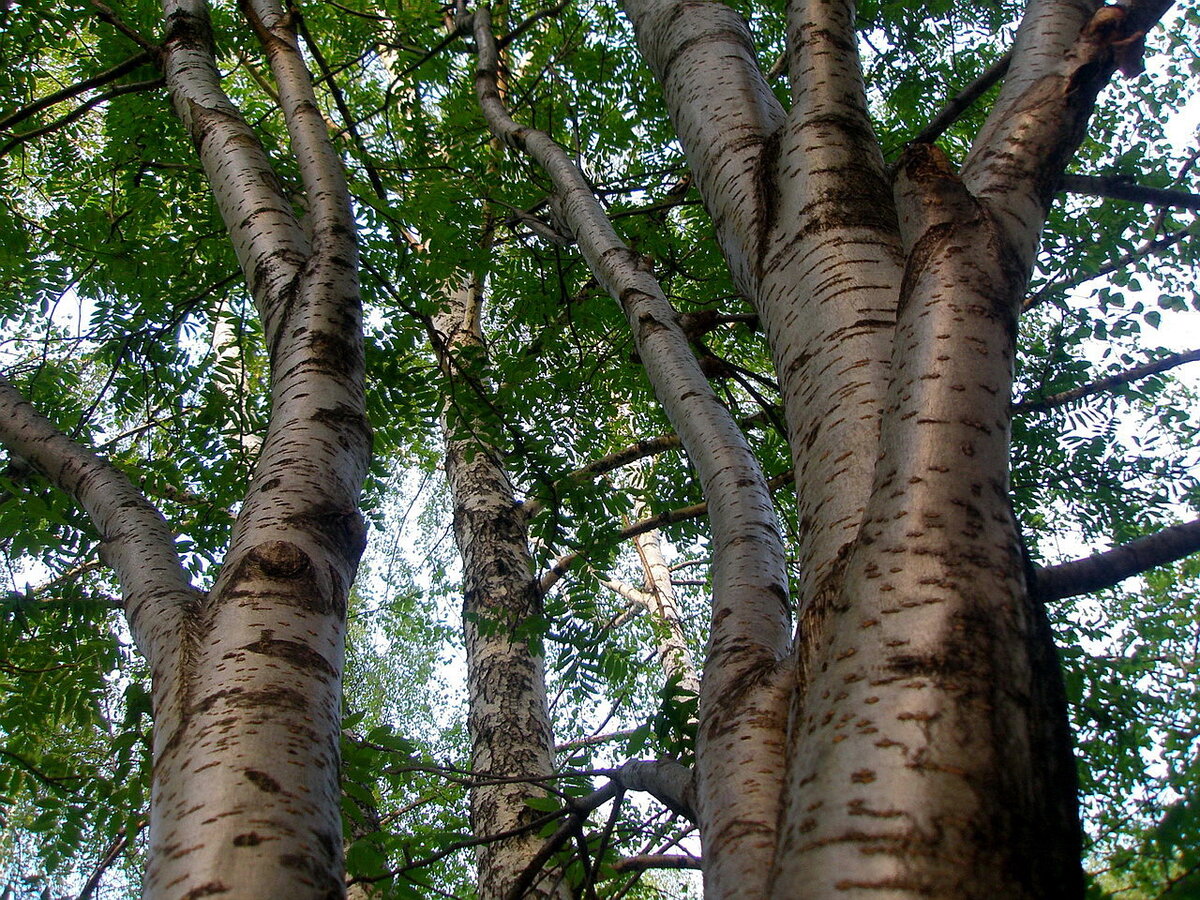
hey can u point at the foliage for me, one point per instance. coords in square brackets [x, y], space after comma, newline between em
[125, 321]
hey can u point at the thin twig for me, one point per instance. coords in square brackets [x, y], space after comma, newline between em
[1107, 384]
[74, 90]
[78, 111]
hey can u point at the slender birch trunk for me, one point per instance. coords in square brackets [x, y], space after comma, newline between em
[657, 596]
[246, 678]
[736, 779]
[512, 740]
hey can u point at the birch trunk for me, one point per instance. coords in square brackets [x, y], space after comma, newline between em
[246, 678]
[926, 751]
[512, 740]
[660, 600]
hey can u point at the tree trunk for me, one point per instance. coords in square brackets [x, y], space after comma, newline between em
[927, 752]
[512, 741]
[246, 679]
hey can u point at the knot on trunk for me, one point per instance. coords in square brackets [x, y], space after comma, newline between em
[280, 559]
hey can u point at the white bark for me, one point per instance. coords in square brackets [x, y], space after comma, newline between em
[659, 600]
[246, 681]
[926, 753]
[135, 539]
[831, 264]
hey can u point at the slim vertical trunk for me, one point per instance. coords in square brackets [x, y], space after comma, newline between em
[673, 651]
[512, 741]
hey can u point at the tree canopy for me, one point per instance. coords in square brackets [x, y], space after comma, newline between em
[128, 323]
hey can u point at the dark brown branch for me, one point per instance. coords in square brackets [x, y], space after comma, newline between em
[370, 17]
[120, 842]
[657, 861]
[578, 810]
[1109, 568]
[1148, 248]
[74, 90]
[667, 781]
[1115, 187]
[79, 111]
[53, 782]
[547, 13]
[963, 100]
[1107, 384]
[626, 455]
[106, 14]
[555, 573]
[615, 460]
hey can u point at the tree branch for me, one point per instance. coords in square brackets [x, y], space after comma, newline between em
[269, 241]
[136, 540]
[962, 101]
[106, 14]
[1063, 54]
[1103, 570]
[79, 111]
[669, 517]
[1106, 384]
[657, 861]
[594, 739]
[118, 845]
[74, 90]
[1116, 187]
[1147, 248]
[750, 609]
[724, 115]
[667, 781]
[625, 456]
[547, 13]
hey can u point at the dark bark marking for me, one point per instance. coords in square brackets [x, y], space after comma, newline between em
[716, 35]
[319, 872]
[341, 529]
[188, 31]
[766, 190]
[299, 655]
[343, 416]
[262, 781]
[207, 890]
[269, 698]
[280, 559]
[337, 353]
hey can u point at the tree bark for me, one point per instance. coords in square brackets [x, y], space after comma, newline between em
[246, 679]
[508, 715]
[927, 752]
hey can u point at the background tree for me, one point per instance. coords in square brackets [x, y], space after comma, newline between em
[156, 358]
